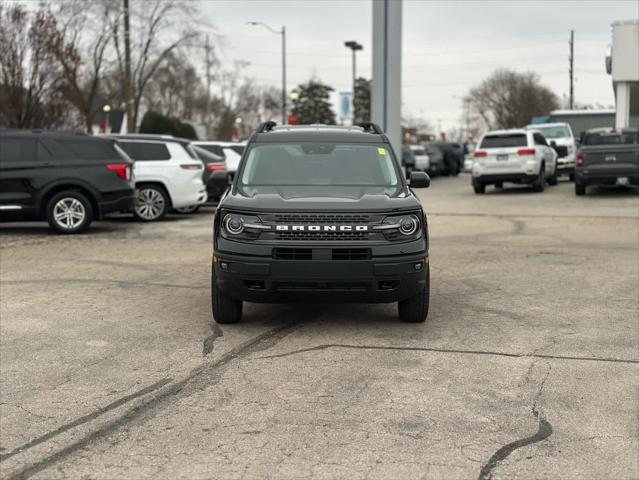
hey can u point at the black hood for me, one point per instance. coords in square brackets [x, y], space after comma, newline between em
[292, 199]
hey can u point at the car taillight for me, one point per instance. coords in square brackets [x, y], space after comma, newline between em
[526, 151]
[580, 160]
[191, 166]
[216, 167]
[122, 170]
[480, 153]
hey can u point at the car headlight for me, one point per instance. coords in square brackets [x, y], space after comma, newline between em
[238, 226]
[401, 227]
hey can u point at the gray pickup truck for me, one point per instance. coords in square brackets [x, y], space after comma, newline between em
[607, 156]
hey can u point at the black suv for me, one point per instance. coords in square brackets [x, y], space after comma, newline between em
[320, 214]
[67, 179]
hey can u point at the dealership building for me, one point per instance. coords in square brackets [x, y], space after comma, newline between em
[622, 64]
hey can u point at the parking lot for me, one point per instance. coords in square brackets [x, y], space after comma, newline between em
[527, 367]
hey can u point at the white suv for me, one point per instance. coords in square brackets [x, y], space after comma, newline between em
[167, 174]
[517, 156]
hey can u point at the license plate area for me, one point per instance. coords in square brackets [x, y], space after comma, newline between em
[622, 181]
[502, 157]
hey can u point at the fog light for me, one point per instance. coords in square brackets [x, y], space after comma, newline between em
[224, 266]
[418, 266]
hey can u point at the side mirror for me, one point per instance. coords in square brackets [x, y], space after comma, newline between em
[419, 180]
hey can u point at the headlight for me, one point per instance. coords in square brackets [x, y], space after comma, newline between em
[237, 226]
[401, 227]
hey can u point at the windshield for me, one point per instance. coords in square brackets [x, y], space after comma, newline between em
[319, 165]
[554, 132]
[504, 141]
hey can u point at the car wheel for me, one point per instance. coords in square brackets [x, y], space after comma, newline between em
[415, 309]
[151, 203]
[499, 185]
[540, 181]
[408, 171]
[553, 180]
[580, 189]
[225, 309]
[479, 188]
[69, 212]
[571, 177]
[188, 210]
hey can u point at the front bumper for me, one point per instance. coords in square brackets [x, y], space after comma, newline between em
[267, 280]
[491, 179]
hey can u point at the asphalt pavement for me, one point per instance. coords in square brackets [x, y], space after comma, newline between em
[527, 367]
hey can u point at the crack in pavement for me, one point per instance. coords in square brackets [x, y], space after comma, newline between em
[207, 344]
[544, 431]
[85, 418]
[449, 350]
[169, 394]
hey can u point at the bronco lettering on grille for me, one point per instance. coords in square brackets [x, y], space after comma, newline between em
[321, 228]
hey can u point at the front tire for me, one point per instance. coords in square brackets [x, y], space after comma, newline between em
[151, 203]
[479, 188]
[415, 309]
[225, 309]
[580, 189]
[69, 212]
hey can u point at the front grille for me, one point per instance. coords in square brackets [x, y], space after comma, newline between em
[351, 253]
[321, 286]
[293, 253]
[302, 218]
[561, 152]
[321, 236]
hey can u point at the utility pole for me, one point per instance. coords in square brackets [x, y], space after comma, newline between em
[354, 46]
[571, 69]
[207, 48]
[128, 87]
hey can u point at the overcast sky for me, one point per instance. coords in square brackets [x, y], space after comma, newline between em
[447, 46]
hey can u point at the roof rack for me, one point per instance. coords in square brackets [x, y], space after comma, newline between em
[371, 127]
[266, 127]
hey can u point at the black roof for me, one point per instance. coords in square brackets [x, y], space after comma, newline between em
[318, 133]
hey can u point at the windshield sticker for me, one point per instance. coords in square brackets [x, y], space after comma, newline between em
[381, 151]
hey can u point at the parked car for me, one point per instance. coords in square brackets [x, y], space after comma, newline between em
[215, 177]
[67, 179]
[408, 159]
[168, 174]
[453, 157]
[607, 156]
[231, 152]
[422, 161]
[563, 141]
[436, 157]
[517, 156]
[320, 214]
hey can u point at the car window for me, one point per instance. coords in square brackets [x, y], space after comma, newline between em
[504, 141]
[320, 164]
[17, 149]
[539, 139]
[146, 151]
[239, 149]
[611, 138]
[205, 155]
[419, 151]
[88, 148]
[215, 149]
[554, 132]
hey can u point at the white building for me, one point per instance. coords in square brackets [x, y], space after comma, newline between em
[623, 64]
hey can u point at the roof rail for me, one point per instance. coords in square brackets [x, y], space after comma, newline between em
[371, 127]
[266, 127]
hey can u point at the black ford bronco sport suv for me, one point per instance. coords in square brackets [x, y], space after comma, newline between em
[320, 214]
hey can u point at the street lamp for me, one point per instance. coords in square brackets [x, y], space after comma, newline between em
[106, 109]
[283, 33]
[354, 46]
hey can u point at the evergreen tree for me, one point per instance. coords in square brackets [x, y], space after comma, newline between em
[362, 101]
[313, 104]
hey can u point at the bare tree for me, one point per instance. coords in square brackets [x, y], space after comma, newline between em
[82, 34]
[30, 95]
[154, 37]
[509, 99]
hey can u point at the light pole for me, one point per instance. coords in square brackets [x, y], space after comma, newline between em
[106, 109]
[283, 34]
[354, 46]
